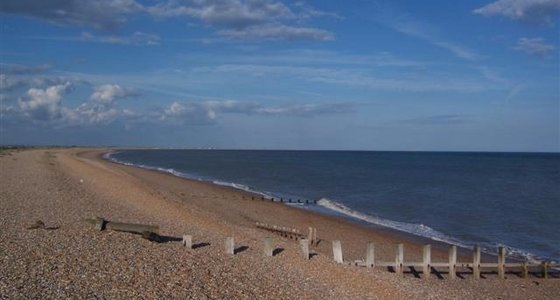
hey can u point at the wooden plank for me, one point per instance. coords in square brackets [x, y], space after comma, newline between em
[399, 258]
[337, 251]
[130, 227]
[501, 262]
[304, 243]
[187, 241]
[310, 235]
[476, 262]
[370, 255]
[229, 245]
[545, 270]
[452, 261]
[427, 261]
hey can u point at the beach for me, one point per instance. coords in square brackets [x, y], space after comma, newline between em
[62, 187]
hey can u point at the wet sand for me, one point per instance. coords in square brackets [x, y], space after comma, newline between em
[62, 187]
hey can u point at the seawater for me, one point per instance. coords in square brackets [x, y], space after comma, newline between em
[490, 199]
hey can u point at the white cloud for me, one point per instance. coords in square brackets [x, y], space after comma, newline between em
[137, 39]
[15, 69]
[7, 83]
[110, 92]
[206, 112]
[534, 11]
[44, 104]
[423, 31]
[265, 18]
[278, 32]
[228, 13]
[100, 14]
[535, 46]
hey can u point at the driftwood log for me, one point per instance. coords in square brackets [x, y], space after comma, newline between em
[102, 224]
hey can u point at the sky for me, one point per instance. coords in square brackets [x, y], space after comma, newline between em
[478, 75]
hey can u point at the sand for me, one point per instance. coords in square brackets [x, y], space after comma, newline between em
[62, 187]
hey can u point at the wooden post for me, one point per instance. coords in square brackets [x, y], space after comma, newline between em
[545, 270]
[337, 251]
[315, 241]
[268, 246]
[310, 235]
[187, 241]
[427, 261]
[99, 222]
[476, 262]
[501, 262]
[525, 268]
[229, 245]
[452, 261]
[305, 248]
[399, 259]
[370, 255]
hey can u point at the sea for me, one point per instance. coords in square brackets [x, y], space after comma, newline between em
[461, 198]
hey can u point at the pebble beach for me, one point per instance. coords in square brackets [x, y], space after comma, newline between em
[69, 258]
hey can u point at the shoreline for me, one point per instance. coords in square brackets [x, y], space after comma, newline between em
[438, 245]
[70, 258]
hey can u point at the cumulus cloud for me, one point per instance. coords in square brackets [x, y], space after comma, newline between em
[534, 46]
[108, 93]
[207, 112]
[44, 104]
[45, 107]
[533, 11]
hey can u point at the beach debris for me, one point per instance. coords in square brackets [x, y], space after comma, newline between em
[41, 225]
[126, 227]
[37, 225]
[148, 232]
[81, 180]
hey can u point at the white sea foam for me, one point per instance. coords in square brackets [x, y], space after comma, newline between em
[424, 231]
[416, 229]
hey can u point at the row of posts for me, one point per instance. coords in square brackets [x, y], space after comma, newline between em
[289, 200]
[399, 257]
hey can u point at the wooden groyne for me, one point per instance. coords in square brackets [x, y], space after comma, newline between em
[285, 200]
[452, 267]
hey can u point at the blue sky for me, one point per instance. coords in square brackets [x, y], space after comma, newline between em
[265, 74]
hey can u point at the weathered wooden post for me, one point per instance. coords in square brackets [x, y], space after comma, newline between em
[370, 255]
[187, 241]
[310, 235]
[315, 241]
[99, 222]
[476, 262]
[229, 245]
[268, 246]
[545, 270]
[452, 261]
[305, 248]
[426, 261]
[501, 262]
[525, 267]
[399, 259]
[337, 251]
